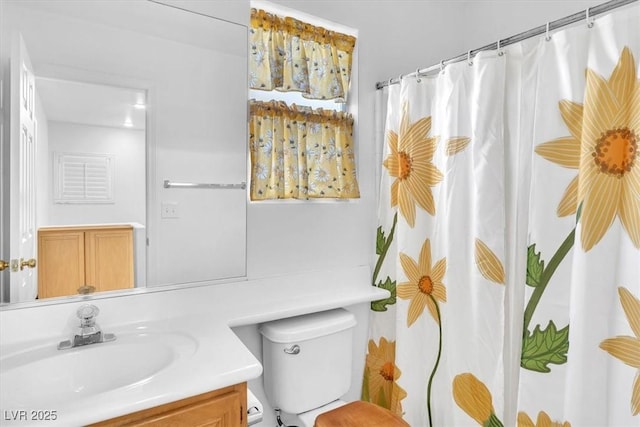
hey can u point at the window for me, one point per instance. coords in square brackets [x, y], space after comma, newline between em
[83, 178]
[301, 136]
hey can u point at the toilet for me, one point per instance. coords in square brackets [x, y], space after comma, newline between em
[307, 368]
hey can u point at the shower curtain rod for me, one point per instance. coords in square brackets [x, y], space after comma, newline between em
[586, 14]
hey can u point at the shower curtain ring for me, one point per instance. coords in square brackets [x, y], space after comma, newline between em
[469, 61]
[418, 79]
[547, 37]
[390, 82]
[500, 52]
[442, 66]
[589, 20]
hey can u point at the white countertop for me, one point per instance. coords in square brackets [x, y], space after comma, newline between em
[207, 313]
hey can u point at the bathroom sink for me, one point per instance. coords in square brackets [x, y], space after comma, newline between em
[49, 376]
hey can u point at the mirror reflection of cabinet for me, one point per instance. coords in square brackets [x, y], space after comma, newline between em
[72, 257]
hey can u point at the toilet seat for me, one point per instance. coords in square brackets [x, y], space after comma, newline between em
[308, 418]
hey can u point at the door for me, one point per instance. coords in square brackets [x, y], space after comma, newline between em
[22, 145]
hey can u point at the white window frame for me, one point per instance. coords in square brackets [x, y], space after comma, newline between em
[94, 182]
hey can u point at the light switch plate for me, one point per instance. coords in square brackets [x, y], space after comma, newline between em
[169, 210]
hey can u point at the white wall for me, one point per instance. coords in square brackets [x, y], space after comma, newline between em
[201, 138]
[127, 146]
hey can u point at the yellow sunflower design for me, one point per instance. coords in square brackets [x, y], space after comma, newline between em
[543, 420]
[425, 287]
[603, 147]
[383, 374]
[488, 263]
[410, 162]
[474, 398]
[626, 348]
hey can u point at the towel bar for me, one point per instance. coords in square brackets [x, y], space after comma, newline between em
[169, 184]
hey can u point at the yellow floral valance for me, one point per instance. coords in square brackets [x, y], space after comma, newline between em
[293, 56]
[300, 153]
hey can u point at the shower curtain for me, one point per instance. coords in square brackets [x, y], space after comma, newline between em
[509, 236]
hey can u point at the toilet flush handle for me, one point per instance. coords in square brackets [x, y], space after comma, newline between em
[294, 349]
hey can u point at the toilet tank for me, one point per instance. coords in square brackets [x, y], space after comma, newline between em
[307, 359]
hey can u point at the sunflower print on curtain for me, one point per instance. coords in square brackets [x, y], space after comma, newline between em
[627, 348]
[603, 146]
[292, 56]
[301, 153]
[579, 360]
[538, 218]
[440, 245]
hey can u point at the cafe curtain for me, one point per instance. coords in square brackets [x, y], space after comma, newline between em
[289, 55]
[301, 153]
[509, 237]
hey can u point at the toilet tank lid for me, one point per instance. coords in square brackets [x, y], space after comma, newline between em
[308, 326]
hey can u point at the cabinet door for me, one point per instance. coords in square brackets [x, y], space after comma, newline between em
[221, 411]
[60, 263]
[225, 407]
[109, 258]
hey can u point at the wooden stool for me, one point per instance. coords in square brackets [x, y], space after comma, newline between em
[359, 414]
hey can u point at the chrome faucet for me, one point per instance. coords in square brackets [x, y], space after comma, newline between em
[89, 332]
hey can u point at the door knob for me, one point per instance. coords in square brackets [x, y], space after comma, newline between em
[4, 265]
[31, 263]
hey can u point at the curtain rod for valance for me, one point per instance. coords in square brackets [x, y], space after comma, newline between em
[586, 14]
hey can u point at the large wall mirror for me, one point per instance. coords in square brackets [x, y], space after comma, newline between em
[123, 148]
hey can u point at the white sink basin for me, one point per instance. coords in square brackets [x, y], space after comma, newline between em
[50, 376]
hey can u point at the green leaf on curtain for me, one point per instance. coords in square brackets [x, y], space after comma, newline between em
[381, 241]
[579, 212]
[535, 266]
[365, 385]
[543, 347]
[493, 421]
[381, 305]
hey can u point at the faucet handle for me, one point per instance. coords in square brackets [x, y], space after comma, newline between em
[86, 313]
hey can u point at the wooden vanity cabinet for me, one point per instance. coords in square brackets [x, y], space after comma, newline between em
[71, 257]
[226, 407]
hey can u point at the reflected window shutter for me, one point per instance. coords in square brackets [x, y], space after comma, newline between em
[83, 178]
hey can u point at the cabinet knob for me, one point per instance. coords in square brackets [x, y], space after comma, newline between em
[31, 263]
[86, 289]
[4, 265]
